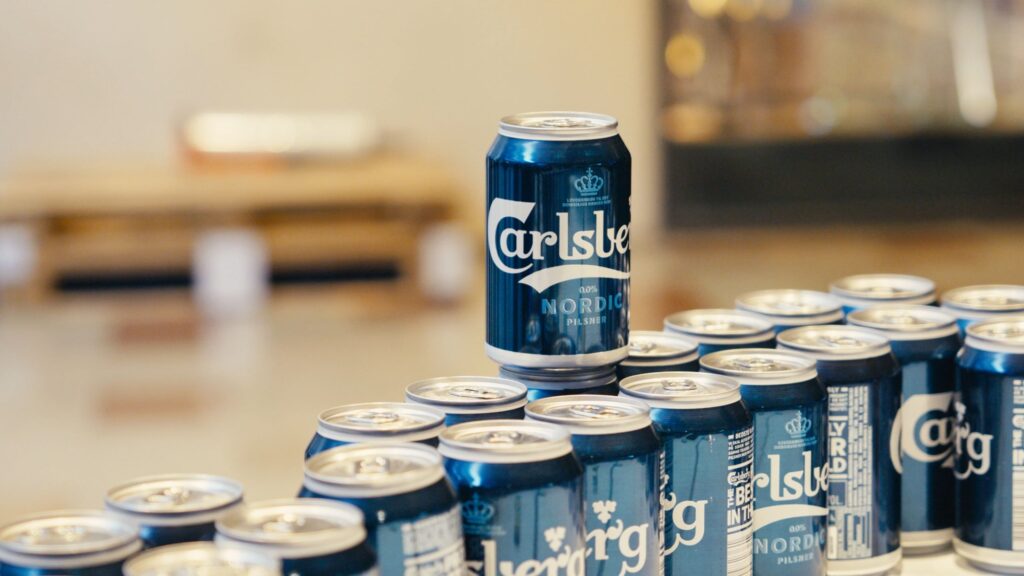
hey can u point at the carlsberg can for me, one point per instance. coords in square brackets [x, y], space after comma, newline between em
[558, 187]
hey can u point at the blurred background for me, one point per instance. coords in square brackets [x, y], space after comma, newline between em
[219, 219]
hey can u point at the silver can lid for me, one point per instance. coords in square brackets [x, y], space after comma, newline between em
[793, 305]
[381, 421]
[719, 326]
[372, 470]
[202, 559]
[905, 321]
[174, 495]
[558, 126]
[67, 539]
[761, 365]
[835, 342]
[468, 394]
[1000, 334]
[560, 378]
[505, 441]
[682, 390]
[646, 346]
[591, 414]
[990, 298]
[884, 288]
[294, 527]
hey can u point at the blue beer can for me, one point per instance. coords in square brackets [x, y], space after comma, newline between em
[521, 490]
[865, 290]
[412, 516]
[989, 445]
[786, 308]
[310, 536]
[790, 407]
[863, 379]
[376, 422]
[174, 508]
[972, 303]
[558, 186]
[545, 382]
[717, 329]
[470, 398]
[202, 558]
[658, 352]
[925, 341]
[622, 463]
[707, 487]
[78, 542]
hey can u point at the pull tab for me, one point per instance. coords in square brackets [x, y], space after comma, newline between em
[373, 466]
[67, 534]
[504, 437]
[373, 417]
[475, 392]
[757, 364]
[173, 495]
[287, 523]
[898, 319]
[681, 385]
[593, 411]
[840, 342]
[641, 347]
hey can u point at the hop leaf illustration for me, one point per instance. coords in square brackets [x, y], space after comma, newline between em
[604, 509]
[555, 535]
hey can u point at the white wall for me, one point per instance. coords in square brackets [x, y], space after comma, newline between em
[84, 81]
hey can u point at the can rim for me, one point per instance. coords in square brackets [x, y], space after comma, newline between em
[993, 342]
[232, 490]
[639, 418]
[122, 541]
[555, 443]
[335, 486]
[414, 393]
[434, 421]
[727, 392]
[942, 323]
[672, 323]
[877, 343]
[949, 298]
[806, 368]
[919, 290]
[258, 563]
[337, 538]
[546, 126]
[681, 346]
[830, 306]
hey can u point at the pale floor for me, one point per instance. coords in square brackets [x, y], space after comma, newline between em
[94, 390]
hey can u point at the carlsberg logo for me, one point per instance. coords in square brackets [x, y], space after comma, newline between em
[973, 449]
[629, 541]
[564, 562]
[527, 248]
[795, 486]
[923, 430]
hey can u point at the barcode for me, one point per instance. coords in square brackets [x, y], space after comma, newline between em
[740, 553]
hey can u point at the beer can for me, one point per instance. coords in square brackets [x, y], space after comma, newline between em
[708, 491]
[925, 341]
[521, 490]
[174, 508]
[311, 536]
[376, 422]
[202, 559]
[412, 516]
[864, 290]
[558, 186]
[470, 398]
[622, 462]
[717, 329]
[863, 379]
[658, 352]
[545, 382]
[989, 445]
[786, 308]
[79, 542]
[789, 406]
[971, 303]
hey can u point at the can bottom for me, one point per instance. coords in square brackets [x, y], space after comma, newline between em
[865, 566]
[523, 360]
[991, 559]
[925, 541]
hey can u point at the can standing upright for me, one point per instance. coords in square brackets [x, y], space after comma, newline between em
[521, 490]
[717, 329]
[863, 379]
[412, 516]
[545, 382]
[622, 464]
[470, 398]
[787, 308]
[790, 409]
[865, 290]
[708, 491]
[925, 341]
[989, 445]
[658, 352]
[972, 303]
[558, 187]
[375, 422]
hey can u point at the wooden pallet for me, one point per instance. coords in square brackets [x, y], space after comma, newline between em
[138, 222]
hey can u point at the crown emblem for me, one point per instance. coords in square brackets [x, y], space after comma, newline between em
[477, 511]
[799, 425]
[555, 535]
[590, 184]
